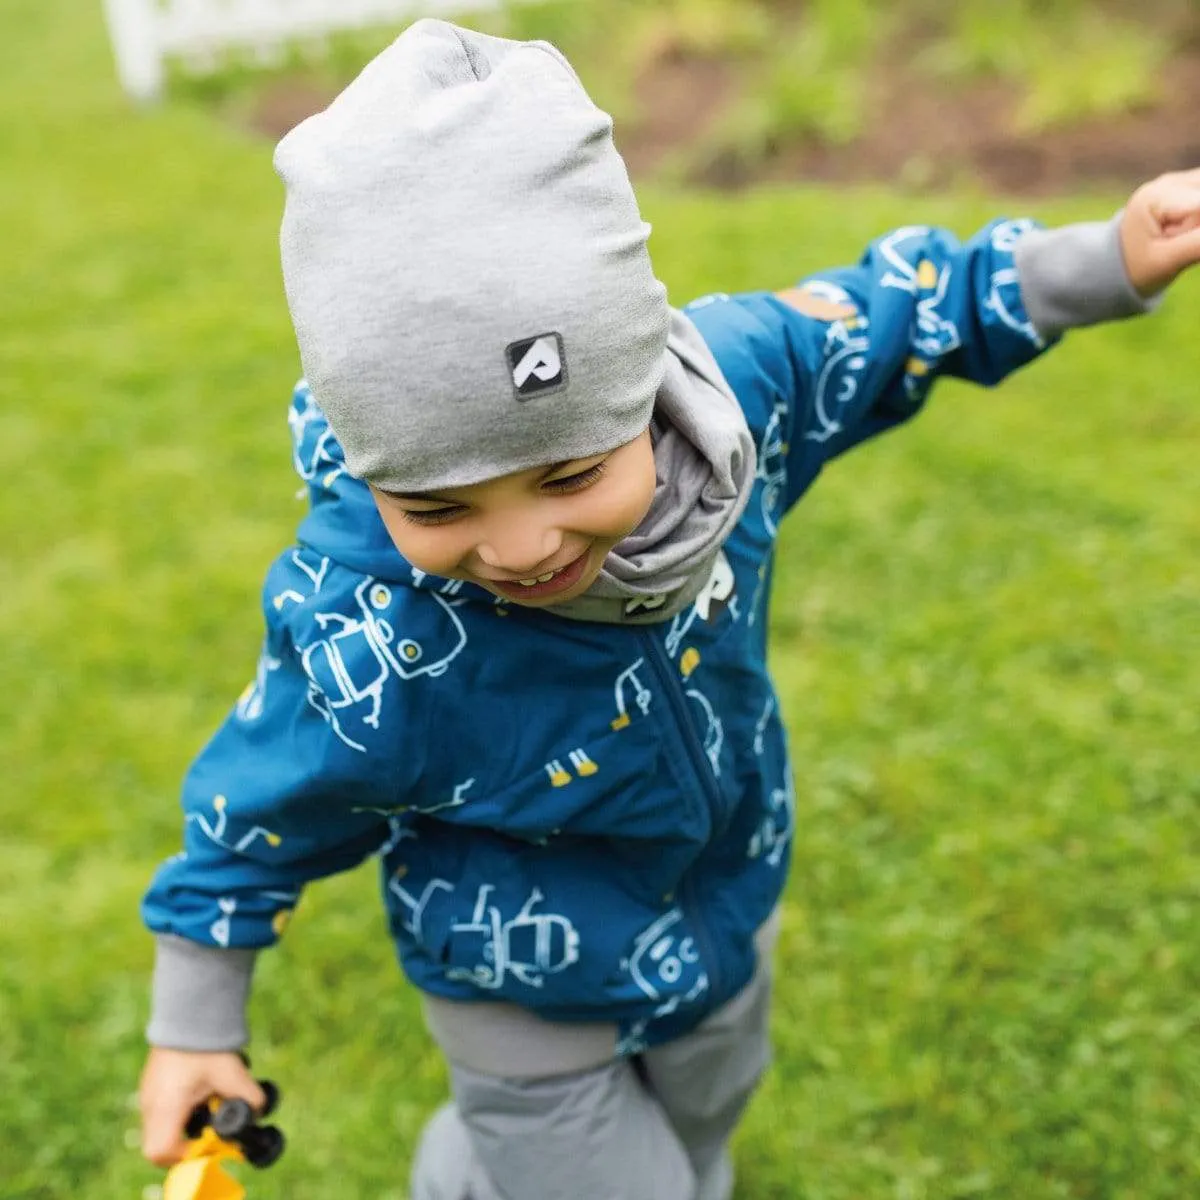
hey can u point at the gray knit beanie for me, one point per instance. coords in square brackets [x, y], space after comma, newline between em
[466, 266]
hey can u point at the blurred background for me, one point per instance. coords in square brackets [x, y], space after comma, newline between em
[986, 628]
[1028, 95]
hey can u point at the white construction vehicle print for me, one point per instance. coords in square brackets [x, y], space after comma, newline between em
[311, 440]
[662, 963]
[348, 669]
[528, 947]
[641, 695]
[714, 732]
[774, 834]
[716, 595]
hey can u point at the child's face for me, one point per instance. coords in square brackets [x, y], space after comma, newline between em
[553, 526]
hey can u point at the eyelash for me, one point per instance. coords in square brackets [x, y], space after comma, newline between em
[579, 481]
[438, 516]
[562, 487]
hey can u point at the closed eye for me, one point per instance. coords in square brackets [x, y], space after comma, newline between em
[565, 485]
[578, 481]
[432, 516]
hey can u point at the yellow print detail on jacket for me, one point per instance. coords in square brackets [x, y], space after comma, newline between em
[637, 692]
[348, 669]
[215, 828]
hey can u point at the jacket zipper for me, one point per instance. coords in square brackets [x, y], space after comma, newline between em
[702, 771]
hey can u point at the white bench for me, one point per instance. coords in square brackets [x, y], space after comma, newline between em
[145, 33]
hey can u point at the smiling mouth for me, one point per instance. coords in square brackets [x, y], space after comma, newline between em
[528, 583]
[547, 584]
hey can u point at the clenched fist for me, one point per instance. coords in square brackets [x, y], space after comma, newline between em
[174, 1082]
[1160, 230]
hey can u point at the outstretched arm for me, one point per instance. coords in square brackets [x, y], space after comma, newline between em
[854, 351]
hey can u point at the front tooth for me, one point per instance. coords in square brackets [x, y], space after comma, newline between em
[527, 582]
[545, 578]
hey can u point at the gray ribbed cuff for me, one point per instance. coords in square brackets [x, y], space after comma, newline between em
[1076, 276]
[199, 995]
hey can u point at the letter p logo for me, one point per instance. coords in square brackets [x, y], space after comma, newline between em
[538, 365]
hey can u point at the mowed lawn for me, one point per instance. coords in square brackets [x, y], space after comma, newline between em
[987, 637]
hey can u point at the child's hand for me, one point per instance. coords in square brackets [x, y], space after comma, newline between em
[174, 1082]
[1160, 230]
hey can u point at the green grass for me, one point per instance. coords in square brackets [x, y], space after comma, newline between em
[987, 637]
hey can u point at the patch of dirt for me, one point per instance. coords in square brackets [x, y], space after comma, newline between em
[680, 99]
[922, 135]
[284, 103]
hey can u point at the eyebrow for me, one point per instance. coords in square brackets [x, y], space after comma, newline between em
[430, 499]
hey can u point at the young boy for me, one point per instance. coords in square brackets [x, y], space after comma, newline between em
[518, 650]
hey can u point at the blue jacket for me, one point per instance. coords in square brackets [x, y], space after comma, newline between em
[587, 820]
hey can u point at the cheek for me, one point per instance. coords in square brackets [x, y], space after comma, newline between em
[436, 550]
[630, 506]
[632, 499]
[611, 517]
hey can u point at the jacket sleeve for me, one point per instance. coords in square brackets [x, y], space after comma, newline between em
[852, 352]
[274, 800]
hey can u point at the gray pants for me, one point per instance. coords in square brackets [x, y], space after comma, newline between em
[654, 1128]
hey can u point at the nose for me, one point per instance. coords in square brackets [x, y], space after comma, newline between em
[519, 548]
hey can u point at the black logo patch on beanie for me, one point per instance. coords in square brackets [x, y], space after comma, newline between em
[538, 365]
